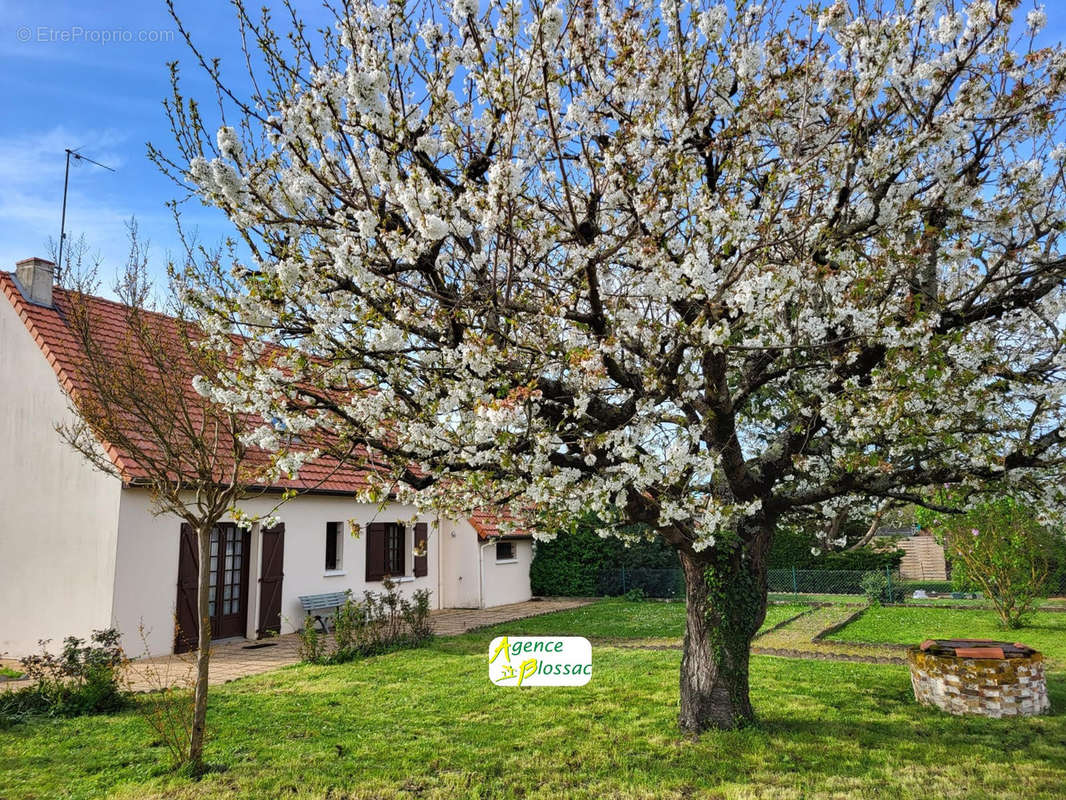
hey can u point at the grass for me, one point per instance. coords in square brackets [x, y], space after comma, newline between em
[8, 672]
[1046, 633]
[980, 602]
[614, 620]
[428, 724]
[836, 599]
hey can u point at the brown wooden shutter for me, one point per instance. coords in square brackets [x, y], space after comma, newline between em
[421, 545]
[271, 575]
[187, 627]
[375, 551]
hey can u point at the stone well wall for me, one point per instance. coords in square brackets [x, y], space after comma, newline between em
[991, 687]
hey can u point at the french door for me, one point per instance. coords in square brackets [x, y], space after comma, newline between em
[228, 581]
[228, 596]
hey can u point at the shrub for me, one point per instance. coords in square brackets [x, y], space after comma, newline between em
[879, 589]
[792, 547]
[168, 709]
[312, 647]
[81, 679]
[377, 624]
[874, 585]
[999, 548]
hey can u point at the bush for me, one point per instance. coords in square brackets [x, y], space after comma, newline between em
[999, 548]
[312, 647]
[378, 624]
[582, 563]
[82, 679]
[879, 589]
[792, 548]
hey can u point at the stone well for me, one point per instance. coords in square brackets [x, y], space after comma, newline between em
[978, 676]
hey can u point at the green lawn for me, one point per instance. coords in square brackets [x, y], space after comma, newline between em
[835, 599]
[611, 620]
[428, 724]
[912, 625]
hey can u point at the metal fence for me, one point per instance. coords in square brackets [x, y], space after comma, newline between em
[803, 584]
[824, 581]
[661, 583]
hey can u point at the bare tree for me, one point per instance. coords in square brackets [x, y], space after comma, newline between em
[139, 418]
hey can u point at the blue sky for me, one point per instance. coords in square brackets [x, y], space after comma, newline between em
[67, 79]
[62, 84]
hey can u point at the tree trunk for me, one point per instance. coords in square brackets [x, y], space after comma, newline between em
[203, 652]
[725, 606]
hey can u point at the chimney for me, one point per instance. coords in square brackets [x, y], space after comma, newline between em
[35, 278]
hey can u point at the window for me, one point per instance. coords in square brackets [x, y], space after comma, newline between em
[505, 551]
[394, 549]
[334, 545]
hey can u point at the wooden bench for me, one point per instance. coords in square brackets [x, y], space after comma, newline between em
[322, 602]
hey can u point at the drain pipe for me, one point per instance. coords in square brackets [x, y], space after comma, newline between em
[440, 560]
[481, 573]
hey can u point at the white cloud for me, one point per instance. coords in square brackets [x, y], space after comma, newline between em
[31, 172]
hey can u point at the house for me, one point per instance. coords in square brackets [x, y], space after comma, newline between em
[82, 550]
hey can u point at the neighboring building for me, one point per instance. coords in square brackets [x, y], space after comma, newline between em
[923, 557]
[81, 550]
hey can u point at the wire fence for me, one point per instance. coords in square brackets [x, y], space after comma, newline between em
[649, 581]
[798, 582]
[799, 585]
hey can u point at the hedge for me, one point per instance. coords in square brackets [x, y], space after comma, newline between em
[579, 563]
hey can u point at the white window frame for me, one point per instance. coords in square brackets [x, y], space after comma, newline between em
[514, 550]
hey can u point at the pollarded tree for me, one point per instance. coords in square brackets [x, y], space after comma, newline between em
[695, 266]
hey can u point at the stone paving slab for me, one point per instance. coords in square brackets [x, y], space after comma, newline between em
[239, 658]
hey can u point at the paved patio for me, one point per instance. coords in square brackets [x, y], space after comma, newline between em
[238, 658]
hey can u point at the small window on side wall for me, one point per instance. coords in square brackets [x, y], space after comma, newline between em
[334, 546]
[505, 551]
[395, 552]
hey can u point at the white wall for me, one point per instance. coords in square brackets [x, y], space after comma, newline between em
[58, 516]
[146, 590]
[503, 582]
[507, 582]
[459, 573]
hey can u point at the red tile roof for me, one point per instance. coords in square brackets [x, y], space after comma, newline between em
[60, 346]
[490, 524]
[111, 327]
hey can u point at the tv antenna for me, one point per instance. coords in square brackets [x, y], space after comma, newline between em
[66, 180]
